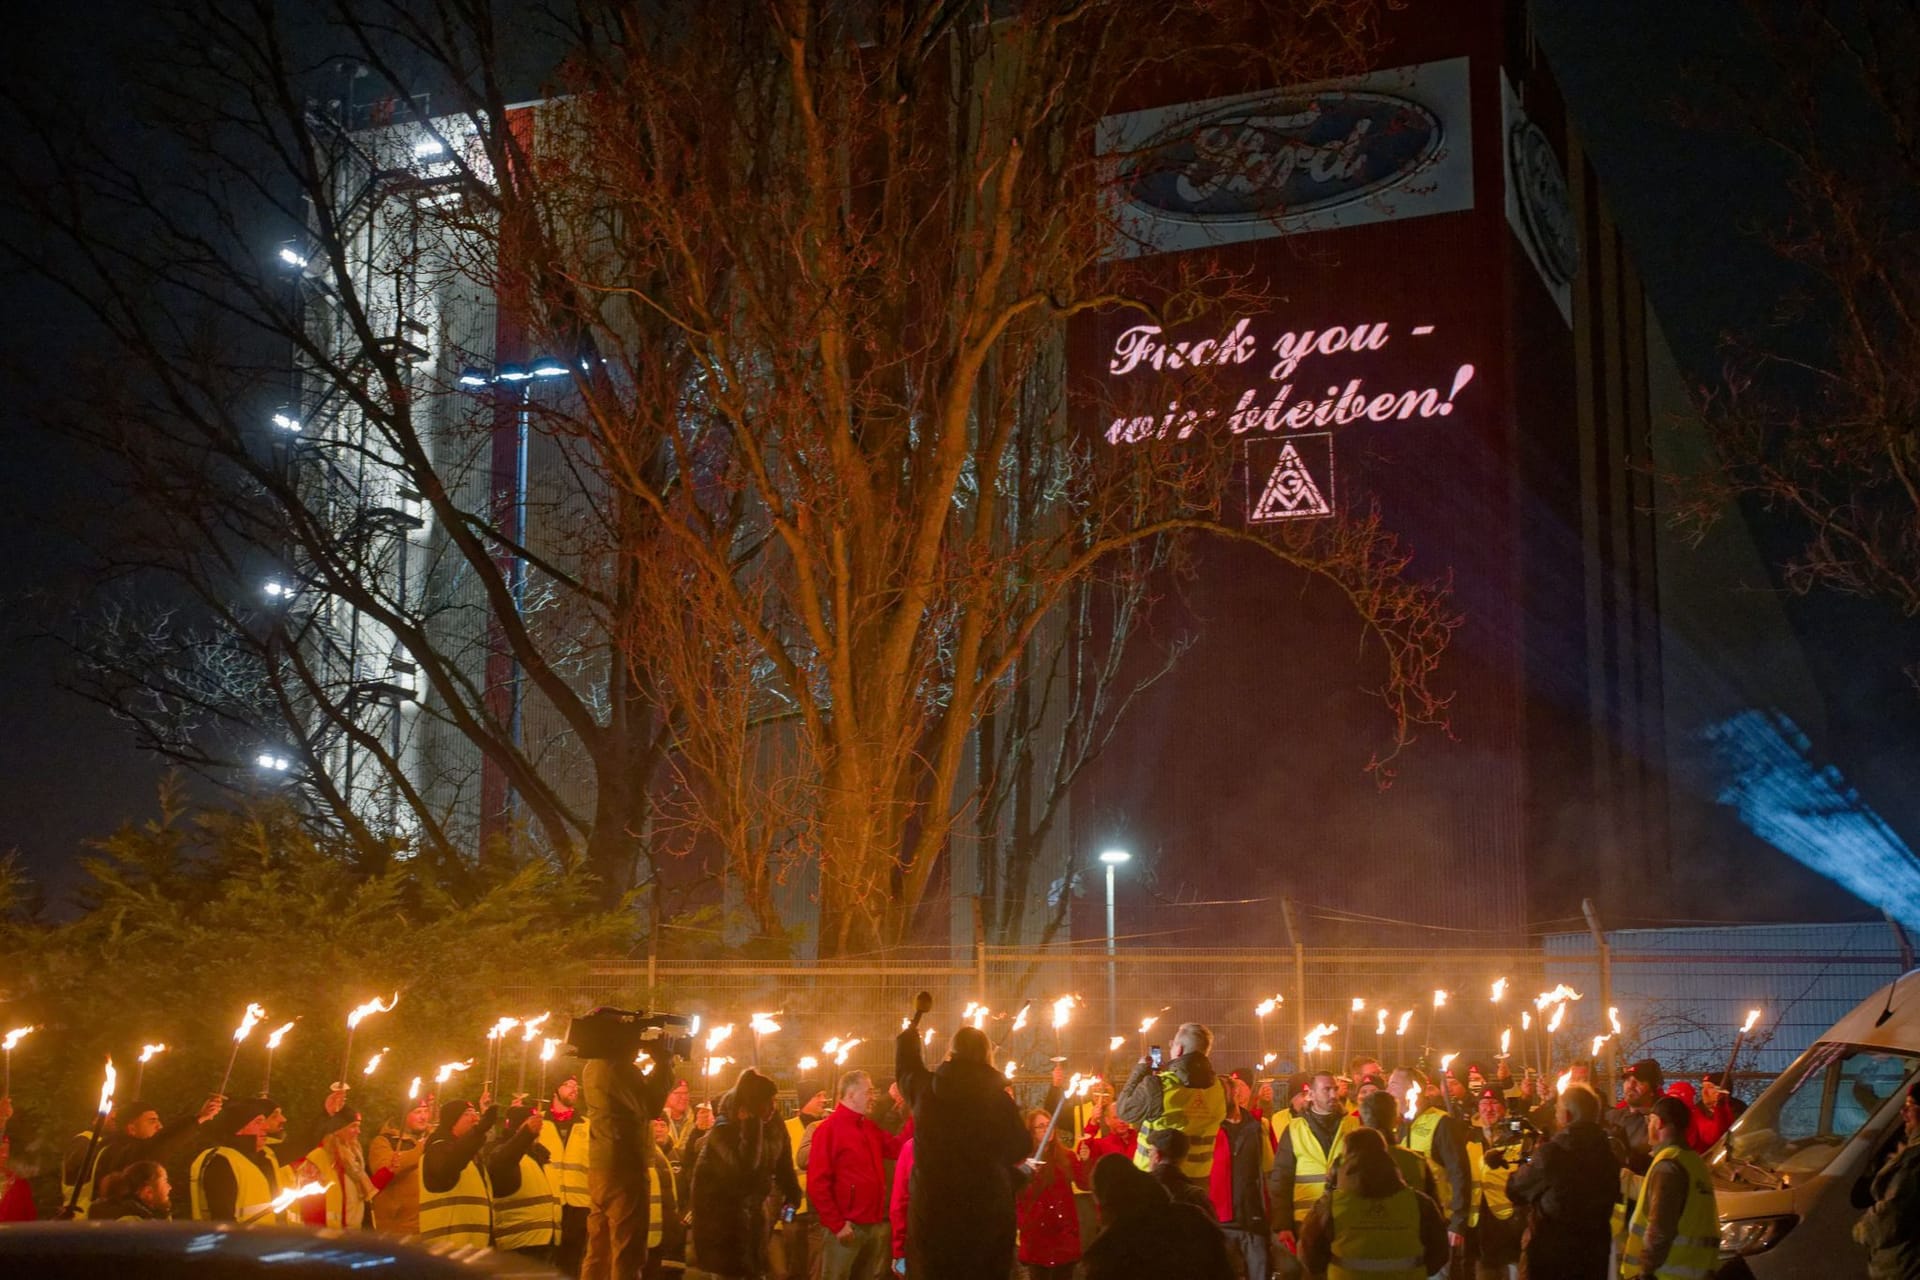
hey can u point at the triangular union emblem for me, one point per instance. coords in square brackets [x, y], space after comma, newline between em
[1290, 492]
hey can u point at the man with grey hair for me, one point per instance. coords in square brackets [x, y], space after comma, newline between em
[1571, 1183]
[847, 1184]
[1187, 1095]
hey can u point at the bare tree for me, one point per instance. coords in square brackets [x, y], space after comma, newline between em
[816, 501]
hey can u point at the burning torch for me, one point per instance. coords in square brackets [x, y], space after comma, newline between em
[13, 1038]
[93, 1143]
[1753, 1016]
[353, 1020]
[247, 1023]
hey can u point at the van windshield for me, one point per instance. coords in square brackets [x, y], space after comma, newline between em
[1801, 1122]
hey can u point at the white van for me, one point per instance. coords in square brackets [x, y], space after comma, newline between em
[1784, 1175]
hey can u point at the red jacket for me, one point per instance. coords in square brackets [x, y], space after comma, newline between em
[1049, 1222]
[846, 1169]
[901, 1173]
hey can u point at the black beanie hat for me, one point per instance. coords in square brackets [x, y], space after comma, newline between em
[338, 1121]
[450, 1110]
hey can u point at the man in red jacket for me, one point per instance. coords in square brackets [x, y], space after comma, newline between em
[846, 1184]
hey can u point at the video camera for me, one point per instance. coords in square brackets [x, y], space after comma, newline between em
[620, 1035]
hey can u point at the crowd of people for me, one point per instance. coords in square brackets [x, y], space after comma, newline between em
[1182, 1170]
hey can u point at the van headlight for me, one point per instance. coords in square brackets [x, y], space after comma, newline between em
[1744, 1237]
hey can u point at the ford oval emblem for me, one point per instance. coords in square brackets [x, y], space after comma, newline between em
[1288, 155]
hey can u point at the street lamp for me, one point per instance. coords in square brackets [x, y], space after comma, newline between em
[1112, 858]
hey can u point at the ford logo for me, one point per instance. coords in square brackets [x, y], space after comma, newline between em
[1286, 156]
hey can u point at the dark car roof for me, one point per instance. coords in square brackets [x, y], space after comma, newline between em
[221, 1251]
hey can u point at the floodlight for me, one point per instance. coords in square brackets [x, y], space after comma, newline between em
[293, 257]
[512, 373]
[428, 147]
[473, 377]
[277, 590]
[548, 367]
[286, 421]
[1113, 857]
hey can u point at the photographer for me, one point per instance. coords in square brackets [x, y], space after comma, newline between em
[1495, 1148]
[621, 1101]
[1186, 1095]
[1570, 1185]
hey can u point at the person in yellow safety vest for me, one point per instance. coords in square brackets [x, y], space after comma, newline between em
[76, 1168]
[1372, 1226]
[337, 1163]
[1308, 1149]
[1380, 1113]
[665, 1230]
[1493, 1151]
[797, 1243]
[1675, 1231]
[1187, 1095]
[526, 1204]
[226, 1182]
[278, 1172]
[455, 1205]
[1439, 1137]
[564, 1135]
[394, 1158]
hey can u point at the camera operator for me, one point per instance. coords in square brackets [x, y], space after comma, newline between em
[1495, 1147]
[622, 1100]
[1570, 1185]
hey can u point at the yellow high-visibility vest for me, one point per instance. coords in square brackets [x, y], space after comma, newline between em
[253, 1194]
[656, 1209]
[1312, 1162]
[1695, 1252]
[1490, 1184]
[1198, 1112]
[567, 1161]
[462, 1215]
[530, 1217]
[796, 1133]
[281, 1178]
[1376, 1239]
[87, 1162]
[1420, 1141]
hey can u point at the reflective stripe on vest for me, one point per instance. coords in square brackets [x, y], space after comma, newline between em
[1312, 1162]
[530, 1217]
[796, 1133]
[1695, 1252]
[1377, 1238]
[1420, 1141]
[253, 1194]
[1630, 1184]
[1489, 1184]
[463, 1215]
[1196, 1112]
[567, 1161]
[88, 1161]
[656, 1209]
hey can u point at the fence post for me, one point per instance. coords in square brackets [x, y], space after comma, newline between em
[1900, 941]
[979, 950]
[1604, 953]
[1299, 977]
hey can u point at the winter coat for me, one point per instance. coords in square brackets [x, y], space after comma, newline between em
[622, 1101]
[1891, 1228]
[1571, 1183]
[735, 1169]
[1096, 1144]
[898, 1201]
[1143, 1103]
[969, 1144]
[846, 1169]
[1147, 1235]
[1049, 1220]
[1242, 1156]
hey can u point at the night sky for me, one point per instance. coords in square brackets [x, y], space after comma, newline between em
[68, 772]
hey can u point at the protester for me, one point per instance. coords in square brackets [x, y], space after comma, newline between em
[1307, 1149]
[622, 1100]
[16, 1197]
[1890, 1228]
[797, 1245]
[1628, 1122]
[1372, 1223]
[1700, 1130]
[140, 1191]
[899, 1208]
[1049, 1223]
[1440, 1138]
[140, 1135]
[666, 1219]
[680, 1121]
[1717, 1108]
[969, 1159]
[564, 1137]
[736, 1169]
[847, 1183]
[1675, 1230]
[1242, 1158]
[1106, 1135]
[1570, 1185]
[1494, 1228]
[394, 1157]
[1187, 1095]
[336, 1160]
[80, 1166]
[1379, 1113]
[1144, 1233]
[229, 1182]
[454, 1204]
[526, 1207]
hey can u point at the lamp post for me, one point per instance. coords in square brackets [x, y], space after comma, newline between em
[1112, 858]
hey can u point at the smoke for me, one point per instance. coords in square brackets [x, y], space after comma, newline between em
[1811, 814]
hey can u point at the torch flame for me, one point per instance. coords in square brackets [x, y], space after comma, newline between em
[1566, 1079]
[532, 1027]
[1085, 1087]
[1506, 1039]
[809, 1064]
[1265, 1007]
[1146, 1024]
[1526, 1020]
[1446, 1063]
[501, 1028]
[148, 1052]
[927, 1039]
[1063, 1011]
[762, 1024]
[846, 1047]
[1439, 998]
[413, 1090]
[1380, 1022]
[1559, 1016]
[15, 1036]
[1613, 1017]
[548, 1046]
[980, 1016]
[374, 1062]
[694, 1028]
[1268, 1060]
[284, 1201]
[253, 1015]
[1753, 1016]
[1115, 1043]
[716, 1065]
[718, 1036]
[1413, 1100]
[279, 1034]
[1317, 1040]
[448, 1068]
[1020, 1018]
[1011, 1067]
[1559, 995]
[966, 1014]
[1359, 1004]
[106, 1090]
[1499, 990]
[372, 1006]
[831, 1047]
[1597, 1042]
[1405, 1018]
